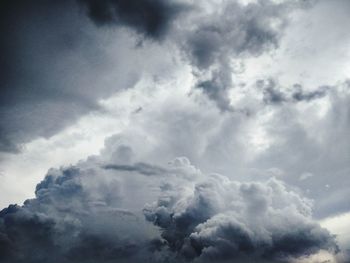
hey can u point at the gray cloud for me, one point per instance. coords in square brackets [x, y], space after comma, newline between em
[274, 94]
[85, 214]
[300, 95]
[149, 17]
[232, 31]
[224, 220]
[54, 69]
[142, 168]
[56, 64]
[75, 217]
[320, 148]
[91, 212]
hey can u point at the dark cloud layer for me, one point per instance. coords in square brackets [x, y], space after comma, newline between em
[78, 216]
[149, 17]
[54, 67]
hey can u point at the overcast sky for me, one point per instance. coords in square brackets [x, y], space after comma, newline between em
[175, 131]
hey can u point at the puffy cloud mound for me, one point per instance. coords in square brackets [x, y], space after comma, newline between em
[219, 219]
[75, 217]
[91, 212]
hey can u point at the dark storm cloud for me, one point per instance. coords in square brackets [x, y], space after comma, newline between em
[53, 66]
[236, 29]
[149, 17]
[78, 216]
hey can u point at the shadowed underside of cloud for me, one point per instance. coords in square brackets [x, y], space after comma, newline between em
[142, 168]
[53, 69]
[79, 215]
[151, 18]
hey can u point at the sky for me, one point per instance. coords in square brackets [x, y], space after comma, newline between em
[174, 131]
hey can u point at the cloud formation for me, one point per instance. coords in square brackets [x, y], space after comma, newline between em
[234, 30]
[218, 219]
[151, 18]
[54, 69]
[57, 65]
[84, 214]
[124, 205]
[274, 94]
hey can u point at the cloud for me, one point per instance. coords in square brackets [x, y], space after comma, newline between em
[57, 66]
[75, 217]
[92, 212]
[53, 69]
[151, 18]
[83, 213]
[273, 93]
[142, 168]
[216, 218]
[233, 30]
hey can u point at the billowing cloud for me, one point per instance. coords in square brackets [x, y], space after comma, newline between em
[218, 219]
[75, 217]
[84, 213]
[62, 60]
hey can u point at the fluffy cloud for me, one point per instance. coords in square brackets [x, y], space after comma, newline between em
[220, 219]
[75, 217]
[86, 213]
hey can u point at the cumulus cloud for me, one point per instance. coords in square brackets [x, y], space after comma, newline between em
[219, 219]
[75, 217]
[84, 213]
[124, 205]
